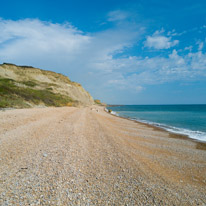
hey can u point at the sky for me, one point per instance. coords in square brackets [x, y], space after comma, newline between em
[121, 51]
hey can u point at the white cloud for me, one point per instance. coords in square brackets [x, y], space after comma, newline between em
[159, 41]
[90, 58]
[157, 70]
[139, 88]
[86, 58]
[117, 15]
[25, 39]
[189, 48]
[200, 45]
[46, 44]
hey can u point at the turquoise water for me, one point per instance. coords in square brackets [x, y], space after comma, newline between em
[183, 119]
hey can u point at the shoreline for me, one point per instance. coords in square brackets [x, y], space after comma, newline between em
[85, 156]
[200, 144]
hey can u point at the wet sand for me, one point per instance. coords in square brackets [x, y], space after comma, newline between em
[85, 156]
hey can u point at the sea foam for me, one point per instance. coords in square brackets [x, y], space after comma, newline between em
[197, 135]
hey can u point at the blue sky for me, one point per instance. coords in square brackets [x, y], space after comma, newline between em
[122, 52]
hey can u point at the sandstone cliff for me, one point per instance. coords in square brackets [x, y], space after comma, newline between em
[32, 86]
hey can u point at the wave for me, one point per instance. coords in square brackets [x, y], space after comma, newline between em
[112, 112]
[197, 135]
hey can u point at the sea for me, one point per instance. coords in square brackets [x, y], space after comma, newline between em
[188, 120]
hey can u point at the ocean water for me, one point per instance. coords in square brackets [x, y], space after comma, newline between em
[189, 120]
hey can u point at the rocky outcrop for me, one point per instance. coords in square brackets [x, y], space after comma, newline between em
[38, 79]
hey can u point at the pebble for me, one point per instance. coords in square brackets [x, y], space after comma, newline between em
[45, 155]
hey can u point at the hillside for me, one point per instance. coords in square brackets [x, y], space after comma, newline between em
[25, 86]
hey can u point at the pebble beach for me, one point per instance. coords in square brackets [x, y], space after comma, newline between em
[86, 156]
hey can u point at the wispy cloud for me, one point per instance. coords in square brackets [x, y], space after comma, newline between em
[200, 45]
[158, 70]
[159, 41]
[188, 48]
[91, 58]
[117, 15]
[31, 40]
[65, 48]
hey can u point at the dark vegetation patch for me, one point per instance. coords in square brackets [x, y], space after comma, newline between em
[14, 96]
[51, 84]
[97, 101]
[29, 83]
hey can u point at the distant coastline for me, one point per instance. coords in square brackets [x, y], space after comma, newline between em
[115, 105]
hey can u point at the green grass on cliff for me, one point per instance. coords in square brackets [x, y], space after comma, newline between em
[97, 101]
[12, 95]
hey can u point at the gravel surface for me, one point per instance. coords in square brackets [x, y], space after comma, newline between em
[84, 156]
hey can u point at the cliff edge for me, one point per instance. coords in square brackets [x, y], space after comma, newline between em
[26, 86]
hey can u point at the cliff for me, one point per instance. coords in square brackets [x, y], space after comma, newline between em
[25, 86]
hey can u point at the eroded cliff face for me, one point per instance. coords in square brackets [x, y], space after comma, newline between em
[41, 80]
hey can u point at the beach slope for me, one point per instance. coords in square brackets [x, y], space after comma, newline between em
[85, 156]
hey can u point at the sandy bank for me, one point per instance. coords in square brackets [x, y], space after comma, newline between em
[65, 156]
